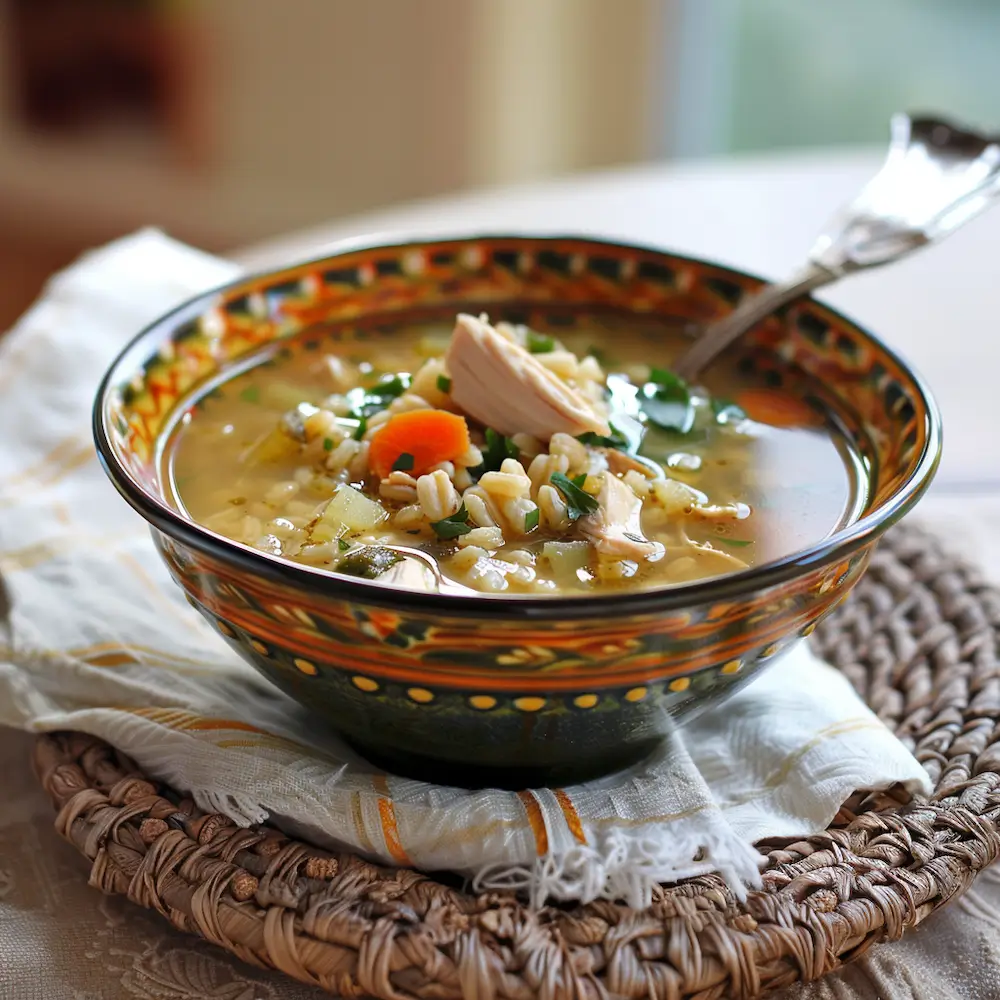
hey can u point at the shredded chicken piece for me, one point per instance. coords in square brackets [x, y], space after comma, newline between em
[620, 463]
[500, 384]
[615, 530]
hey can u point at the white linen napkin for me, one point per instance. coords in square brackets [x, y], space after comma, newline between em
[99, 639]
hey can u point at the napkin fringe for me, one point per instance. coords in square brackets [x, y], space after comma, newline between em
[241, 809]
[623, 866]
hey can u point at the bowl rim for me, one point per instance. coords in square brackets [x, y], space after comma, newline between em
[322, 582]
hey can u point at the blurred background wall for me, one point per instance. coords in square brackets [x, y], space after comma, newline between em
[227, 121]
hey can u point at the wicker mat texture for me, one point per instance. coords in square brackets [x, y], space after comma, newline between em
[918, 638]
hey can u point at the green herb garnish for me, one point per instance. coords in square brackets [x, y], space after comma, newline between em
[367, 402]
[327, 444]
[531, 520]
[251, 394]
[726, 412]
[538, 343]
[616, 439]
[578, 502]
[666, 401]
[359, 432]
[443, 383]
[404, 463]
[369, 562]
[497, 449]
[736, 543]
[454, 526]
[393, 385]
[344, 544]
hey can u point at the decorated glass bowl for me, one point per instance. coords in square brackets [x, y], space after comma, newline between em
[516, 680]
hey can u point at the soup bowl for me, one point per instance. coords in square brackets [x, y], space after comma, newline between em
[512, 691]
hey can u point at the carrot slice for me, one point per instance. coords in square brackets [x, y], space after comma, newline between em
[416, 441]
[778, 409]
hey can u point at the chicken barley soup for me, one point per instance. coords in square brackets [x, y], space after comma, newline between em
[505, 461]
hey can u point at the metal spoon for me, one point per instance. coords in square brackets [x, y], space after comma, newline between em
[935, 178]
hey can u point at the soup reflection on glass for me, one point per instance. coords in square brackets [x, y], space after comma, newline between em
[508, 461]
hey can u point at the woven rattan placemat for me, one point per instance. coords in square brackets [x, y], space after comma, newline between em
[918, 638]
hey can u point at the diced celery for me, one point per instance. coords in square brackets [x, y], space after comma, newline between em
[354, 510]
[326, 527]
[677, 498]
[566, 558]
[275, 446]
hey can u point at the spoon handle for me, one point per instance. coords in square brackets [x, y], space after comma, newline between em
[720, 334]
[936, 177]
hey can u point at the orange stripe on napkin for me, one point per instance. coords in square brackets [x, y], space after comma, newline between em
[112, 660]
[86, 652]
[235, 724]
[387, 816]
[536, 821]
[571, 816]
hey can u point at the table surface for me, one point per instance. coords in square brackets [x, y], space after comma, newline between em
[57, 938]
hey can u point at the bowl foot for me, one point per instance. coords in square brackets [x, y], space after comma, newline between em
[472, 775]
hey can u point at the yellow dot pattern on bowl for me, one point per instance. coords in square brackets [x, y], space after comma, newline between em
[421, 695]
[225, 628]
[636, 694]
[529, 704]
[483, 702]
[364, 683]
[770, 650]
[733, 667]
[259, 647]
[681, 684]
[585, 700]
[305, 666]
[809, 629]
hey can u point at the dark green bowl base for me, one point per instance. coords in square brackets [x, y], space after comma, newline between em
[478, 776]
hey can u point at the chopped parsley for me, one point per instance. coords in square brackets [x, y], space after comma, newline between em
[392, 386]
[454, 526]
[443, 383]
[666, 402]
[736, 543]
[538, 343]
[404, 463]
[251, 394]
[327, 444]
[531, 520]
[497, 449]
[616, 439]
[578, 502]
[366, 403]
[344, 544]
[369, 561]
[359, 431]
[726, 412]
